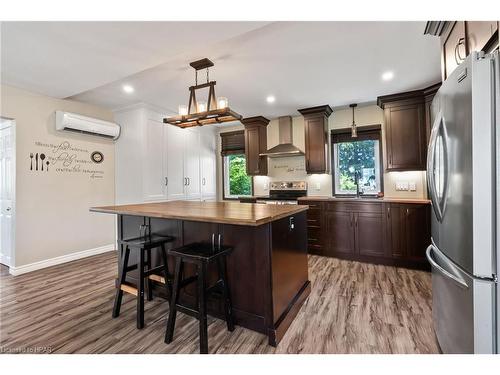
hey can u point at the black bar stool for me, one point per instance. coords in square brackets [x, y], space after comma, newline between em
[144, 245]
[201, 255]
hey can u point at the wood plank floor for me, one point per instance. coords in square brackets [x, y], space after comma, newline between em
[353, 308]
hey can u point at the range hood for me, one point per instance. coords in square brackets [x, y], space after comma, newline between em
[285, 146]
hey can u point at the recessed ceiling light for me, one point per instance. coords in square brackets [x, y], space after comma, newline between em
[270, 99]
[128, 89]
[387, 76]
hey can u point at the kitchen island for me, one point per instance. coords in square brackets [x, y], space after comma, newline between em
[267, 270]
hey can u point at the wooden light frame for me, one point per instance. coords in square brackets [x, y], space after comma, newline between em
[212, 115]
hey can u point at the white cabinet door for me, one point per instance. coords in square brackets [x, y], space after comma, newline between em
[7, 174]
[174, 160]
[192, 163]
[153, 176]
[207, 162]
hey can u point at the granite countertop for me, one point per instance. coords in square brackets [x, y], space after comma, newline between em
[323, 198]
[250, 214]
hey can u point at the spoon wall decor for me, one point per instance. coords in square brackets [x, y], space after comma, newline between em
[48, 165]
[42, 157]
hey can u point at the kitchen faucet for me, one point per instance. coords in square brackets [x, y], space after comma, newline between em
[356, 181]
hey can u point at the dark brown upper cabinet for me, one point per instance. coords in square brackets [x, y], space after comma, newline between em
[316, 138]
[405, 130]
[459, 38]
[455, 47]
[255, 144]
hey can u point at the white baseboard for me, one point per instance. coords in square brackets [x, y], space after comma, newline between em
[59, 260]
[4, 259]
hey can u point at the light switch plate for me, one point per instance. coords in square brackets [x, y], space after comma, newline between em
[318, 186]
[266, 186]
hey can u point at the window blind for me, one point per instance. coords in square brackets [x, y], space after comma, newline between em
[371, 132]
[233, 143]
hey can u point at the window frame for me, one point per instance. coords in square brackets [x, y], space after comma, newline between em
[367, 132]
[224, 173]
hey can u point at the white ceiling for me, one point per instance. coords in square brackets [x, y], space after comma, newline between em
[301, 63]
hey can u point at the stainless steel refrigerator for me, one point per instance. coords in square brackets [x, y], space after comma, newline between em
[463, 176]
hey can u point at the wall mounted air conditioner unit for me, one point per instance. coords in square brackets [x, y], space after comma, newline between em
[87, 125]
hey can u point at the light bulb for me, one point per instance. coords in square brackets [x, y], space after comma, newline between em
[202, 106]
[222, 102]
[183, 110]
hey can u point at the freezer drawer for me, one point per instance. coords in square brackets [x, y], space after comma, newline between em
[462, 307]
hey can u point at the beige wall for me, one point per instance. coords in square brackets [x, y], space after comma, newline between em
[321, 184]
[52, 207]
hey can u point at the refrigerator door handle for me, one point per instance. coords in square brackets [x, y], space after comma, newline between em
[430, 167]
[441, 270]
[438, 129]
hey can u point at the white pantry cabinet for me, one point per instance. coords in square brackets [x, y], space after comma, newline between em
[208, 160]
[192, 151]
[157, 161]
[173, 159]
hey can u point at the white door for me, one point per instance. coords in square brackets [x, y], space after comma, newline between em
[192, 163]
[207, 162]
[6, 191]
[174, 161]
[153, 175]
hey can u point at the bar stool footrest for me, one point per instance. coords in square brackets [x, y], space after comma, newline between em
[188, 311]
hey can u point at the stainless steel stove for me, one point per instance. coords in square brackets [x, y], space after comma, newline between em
[284, 192]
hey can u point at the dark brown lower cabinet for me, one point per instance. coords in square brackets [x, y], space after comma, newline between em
[370, 236]
[409, 232]
[315, 223]
[376, 232]
[339, 233]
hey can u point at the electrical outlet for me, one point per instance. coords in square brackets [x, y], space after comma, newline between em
[266, 186]
[402, 186]
[412, 186]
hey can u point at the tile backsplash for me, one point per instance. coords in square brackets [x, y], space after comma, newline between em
[293, 169]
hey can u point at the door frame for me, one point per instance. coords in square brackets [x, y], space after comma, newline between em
[13, 205]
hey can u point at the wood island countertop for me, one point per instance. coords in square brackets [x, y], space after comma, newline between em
[214, 212]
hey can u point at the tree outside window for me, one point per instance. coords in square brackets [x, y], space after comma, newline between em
[236, 181]
[357, 157]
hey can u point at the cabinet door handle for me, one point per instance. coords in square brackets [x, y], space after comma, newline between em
[356, 221]
[407, 212]
[219, 240]
[458, 58]
[204, 181]
[351, 220]
[388, 212]
[166, 181]
[185, 181]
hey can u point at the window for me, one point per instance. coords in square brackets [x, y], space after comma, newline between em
[357, 159]
[236, 182]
